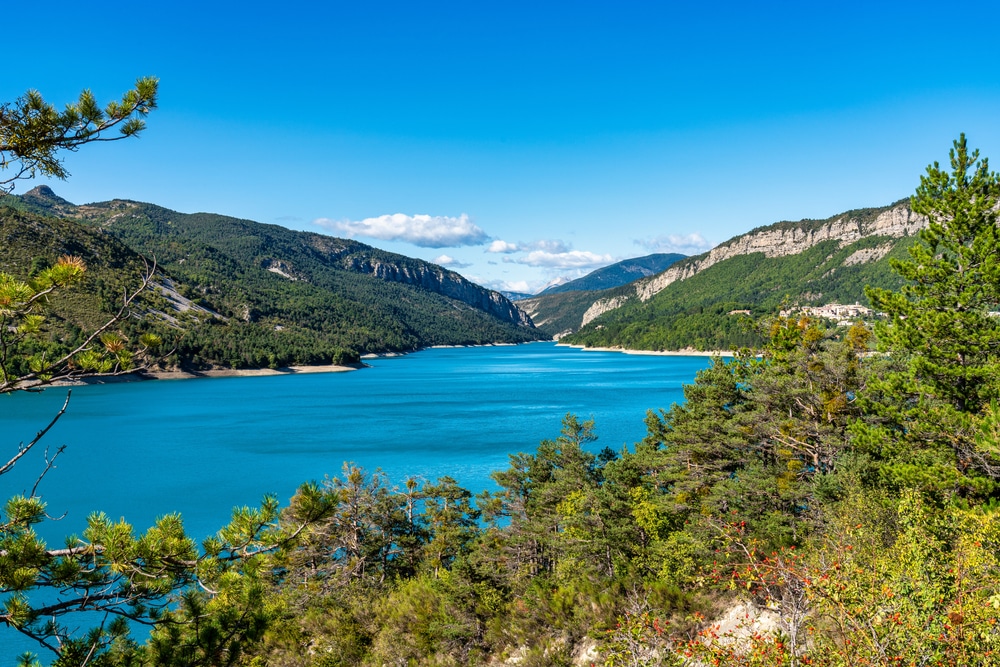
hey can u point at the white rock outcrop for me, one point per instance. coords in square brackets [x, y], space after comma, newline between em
[788, 239]
[602, 306]
[866, 255]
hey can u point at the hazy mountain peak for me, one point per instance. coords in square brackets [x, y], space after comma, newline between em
[555, 282]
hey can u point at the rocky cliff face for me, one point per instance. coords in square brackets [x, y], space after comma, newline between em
[778, 240]
[446, 283]
[783, 240]
[420, 274]
[600, 307]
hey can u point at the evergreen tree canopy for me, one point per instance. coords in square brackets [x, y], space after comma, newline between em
[33, 133]
[942, 336]
[943, 312]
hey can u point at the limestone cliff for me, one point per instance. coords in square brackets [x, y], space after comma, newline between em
[783, 239]
[779, 240]
[447, 283]
[602, 306]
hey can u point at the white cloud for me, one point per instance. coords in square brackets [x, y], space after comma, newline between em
[687, 244]
[503, 246]
[548, 245]
[514, 286]
[570, 259]
[426, 231]
[449, 261]
[523, 286]
[551, 245]
[517, 286]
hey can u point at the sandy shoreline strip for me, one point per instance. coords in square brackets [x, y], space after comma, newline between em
[217, 373]
[690, 352]
[252, 372]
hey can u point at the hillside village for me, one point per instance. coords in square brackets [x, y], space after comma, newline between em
[843, 315]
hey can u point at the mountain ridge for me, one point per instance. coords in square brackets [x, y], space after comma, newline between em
[285, 296]
[873, 233]
[789, 238]
[401, 269]
[617, 274]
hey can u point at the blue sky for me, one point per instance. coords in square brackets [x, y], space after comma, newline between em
[517, 142]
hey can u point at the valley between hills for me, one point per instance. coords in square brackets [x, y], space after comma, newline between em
[238, 294]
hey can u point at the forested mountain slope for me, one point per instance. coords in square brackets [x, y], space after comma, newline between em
[619, 273]
[557, 310]
[279, 296]
[30, 243]
[809, 262]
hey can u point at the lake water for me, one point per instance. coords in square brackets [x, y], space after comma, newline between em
[200, 447]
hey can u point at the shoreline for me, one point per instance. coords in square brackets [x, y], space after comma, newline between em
[251, 372]
[690, 352]
[389, 355]
[145, 376]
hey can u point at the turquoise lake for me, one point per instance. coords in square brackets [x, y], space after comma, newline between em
[200, 447]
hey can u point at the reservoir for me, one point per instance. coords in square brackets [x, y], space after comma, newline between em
[138, 450]
[200, 447]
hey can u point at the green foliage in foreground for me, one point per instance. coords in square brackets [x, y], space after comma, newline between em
[33, 133]
[852, 495]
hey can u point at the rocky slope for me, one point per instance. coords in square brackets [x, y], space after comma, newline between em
[448, 283]
[784, 238]
[559, 315]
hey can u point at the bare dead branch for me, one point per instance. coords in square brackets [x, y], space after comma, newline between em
[24, 449]
[49, 465]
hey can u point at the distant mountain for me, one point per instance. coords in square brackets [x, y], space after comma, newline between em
[560, 314]
[554, 283]
[620, 273]
[516, 296]
[695, 302]
[42, 199]
[281, 296]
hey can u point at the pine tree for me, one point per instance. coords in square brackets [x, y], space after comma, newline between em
[109, 574]
[33, 134]
[942, 334]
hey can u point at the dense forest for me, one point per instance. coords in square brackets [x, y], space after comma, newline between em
[221, 296]
[834, 499]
